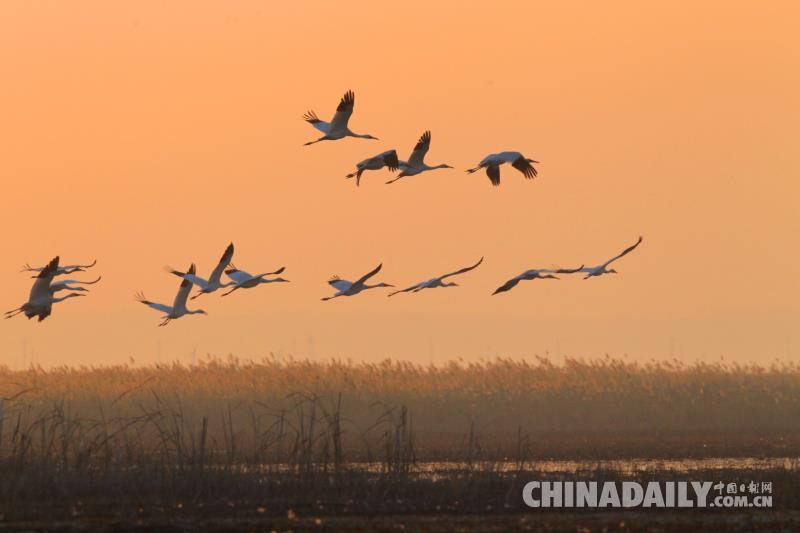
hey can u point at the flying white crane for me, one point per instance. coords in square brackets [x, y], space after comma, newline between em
[536, 273]
[66, 269]
[603, 269]
[63, 285]
[337, 127]
[214, 281]
[245, 280]
[386, 159]
[438, 282]
[41, 297]
[178, 308]
[416, 162]
[349, 288]
[492, 164]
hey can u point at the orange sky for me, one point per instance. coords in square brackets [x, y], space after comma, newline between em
[154, 133]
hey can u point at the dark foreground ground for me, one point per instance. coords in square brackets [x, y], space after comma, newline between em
[782, 521]
[479, 499]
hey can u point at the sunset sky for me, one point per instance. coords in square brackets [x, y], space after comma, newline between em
[146, 134]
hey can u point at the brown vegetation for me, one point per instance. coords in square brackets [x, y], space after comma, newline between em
[228, 438]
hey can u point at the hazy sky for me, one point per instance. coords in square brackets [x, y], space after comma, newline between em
[154, 133]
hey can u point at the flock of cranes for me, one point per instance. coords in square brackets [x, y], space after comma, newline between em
[42, 296]
[338, 128]
[43, 293]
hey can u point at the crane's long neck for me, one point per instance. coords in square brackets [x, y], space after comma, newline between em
[62, 298]
[375, 286]
[273, 280]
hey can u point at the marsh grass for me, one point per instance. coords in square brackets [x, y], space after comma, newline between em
[275, 412]
[295, 435]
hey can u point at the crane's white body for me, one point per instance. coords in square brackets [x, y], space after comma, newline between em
[492, 164]
[245, 280]
[42, 295]
[214, 281]
[416, 162]
[386, 159]
[41, 307]
[438, 282]
[350, 288]
[534, 273]
[337, 128]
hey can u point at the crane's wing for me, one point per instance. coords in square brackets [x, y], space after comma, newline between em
[390, 159]
[184, 289]
[343, 111]
[421, 148]
[314, 120]
[157, 306]
[224, 261]
[363, 279]
[41, 287]
[194, 279]
[507, 286]
[493, 171]
[44, 312]
[524, 165]
[625, 252]
[461, 271]
[340, 285]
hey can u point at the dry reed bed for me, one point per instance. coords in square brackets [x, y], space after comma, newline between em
[277, 411]
[228, 438]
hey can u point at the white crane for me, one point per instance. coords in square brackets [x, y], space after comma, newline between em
[337, 127]
[492, 164]
[416, 162]
[603, 269]
[349, 288]
[386, 159]
[245, 280]
[178, 308]
[214, 281]
[66, 269]
[41, 297]
[439, 282]
[536, 273]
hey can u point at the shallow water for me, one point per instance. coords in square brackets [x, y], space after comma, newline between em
[623, 466]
